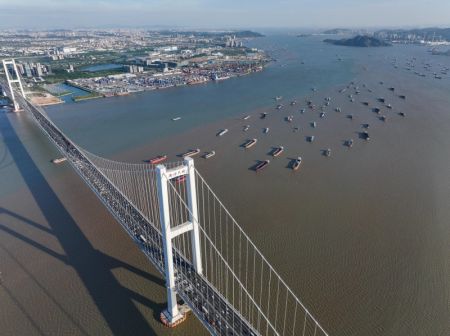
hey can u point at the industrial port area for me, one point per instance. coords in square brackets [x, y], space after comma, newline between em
[86, 64]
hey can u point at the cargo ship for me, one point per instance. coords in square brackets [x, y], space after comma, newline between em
[222, 132]
[209, 154]
[158, 159]
[295, 165]
[190, 153]
[249, 143]
[261, 165]
[277, 151]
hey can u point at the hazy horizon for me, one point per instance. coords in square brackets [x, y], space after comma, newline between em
[202, 14]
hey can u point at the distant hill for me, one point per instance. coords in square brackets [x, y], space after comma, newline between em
[359, 41]
[337, 31]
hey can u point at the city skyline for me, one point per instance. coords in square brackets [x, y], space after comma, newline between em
[51, 14]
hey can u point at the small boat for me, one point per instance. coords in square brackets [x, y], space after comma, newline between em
[261, 165]
[381, 100]
[246, 127]
[366, 126]
[337, 109]
[191, 152]
[366, 103]
[383, 118]
[222, 132]
[350, 116]
[389, 106]
[180, 179]
[376, 110]
[402, 114]
[311, 138]
[294, 102]
[391, 89]
[176, 118]
[279, 106]
[278, 98]
[349, 143]
[327, 152]
[209, 155]
[302, 111]
[263, 115]
[313, 124]
[59, 160]
[277, 151]
[295, 165]
[289, 118]
[266, 130]
[246, 117]
[249, 143]
[322, 115]
[158, 159]
[402, 97]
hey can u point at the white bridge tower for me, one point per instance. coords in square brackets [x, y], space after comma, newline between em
[13, 77]
[172, 316]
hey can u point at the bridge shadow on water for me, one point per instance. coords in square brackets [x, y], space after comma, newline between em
[94, 268]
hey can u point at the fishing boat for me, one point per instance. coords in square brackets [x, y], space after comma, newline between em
[158, 159]
[261, 165]
[277, 151]
[295, 165]
[208, 155]
[289, 118]
[365, 135]
[383, 118]
[294, 102]
[222, 132]
[263, 115]
[266, 130]
[191, 152]
[279, 106]
[338, 109]
[350, 116]
[302, 111]
[176, 118]
[313, 124]
[246, 117]
[249, 143]
[311, 138]
[59, 160]
[278, 98]
[327, 152]
[402, 97]
[322, 115]
[246, 127]
[389, 106]
[402, 114]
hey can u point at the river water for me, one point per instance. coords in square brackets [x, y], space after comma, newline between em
[363, 236]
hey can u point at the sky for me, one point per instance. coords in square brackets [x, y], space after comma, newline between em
[42, 14]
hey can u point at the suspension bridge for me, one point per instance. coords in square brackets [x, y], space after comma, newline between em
[179, 223]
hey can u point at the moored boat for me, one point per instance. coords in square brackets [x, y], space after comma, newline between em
[249, 143]
[311, 138]
[295, 165]
[208, 155]
[327, 152]
[277, 151]
[176, 118]
[349, 143]
[158, 159]
[246, 127]
[246, 117]
[263, 115]
[222, 132]
[322, 114]
[266, 130]
[191, 152]
[261, 165]
[365, 135]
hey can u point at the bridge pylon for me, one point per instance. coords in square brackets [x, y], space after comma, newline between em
[12, 78]
[172, 316]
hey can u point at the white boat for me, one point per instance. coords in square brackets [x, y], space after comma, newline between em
[249, 143]
[176, 118]
[266, 130]
[246, 117]
[222, 132]
[246, 127]
[59, 160]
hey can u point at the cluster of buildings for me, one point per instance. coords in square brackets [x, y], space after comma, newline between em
[36, 70]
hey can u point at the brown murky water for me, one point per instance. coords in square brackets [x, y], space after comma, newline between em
[363, 237]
